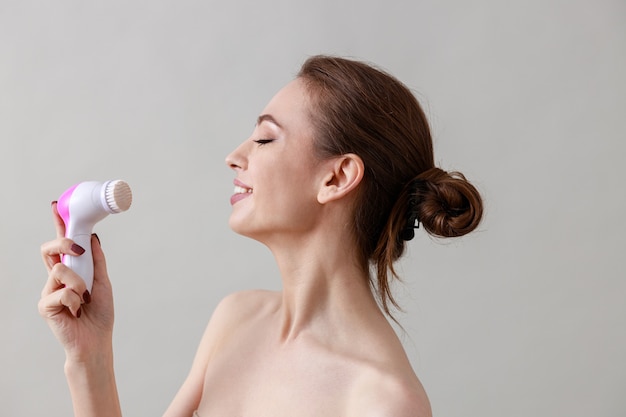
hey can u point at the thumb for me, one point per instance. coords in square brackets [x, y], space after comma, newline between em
[99, 261]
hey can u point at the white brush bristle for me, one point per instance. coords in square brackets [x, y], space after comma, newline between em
[118, 196]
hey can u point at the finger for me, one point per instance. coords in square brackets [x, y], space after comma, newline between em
[51, 251]
[56, 302]
[59, 224]
[63, 278]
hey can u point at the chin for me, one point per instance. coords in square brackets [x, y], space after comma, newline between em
[240, 227]
[261, 235]
[235, 225]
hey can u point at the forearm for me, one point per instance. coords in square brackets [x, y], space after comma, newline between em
[92, 386]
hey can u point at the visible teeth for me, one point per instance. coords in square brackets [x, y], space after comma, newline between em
[241, 190]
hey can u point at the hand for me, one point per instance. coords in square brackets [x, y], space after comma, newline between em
[82, 322]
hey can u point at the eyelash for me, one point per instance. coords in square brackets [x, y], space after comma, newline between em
[262, 142]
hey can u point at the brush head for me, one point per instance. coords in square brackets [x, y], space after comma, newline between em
[118, 196]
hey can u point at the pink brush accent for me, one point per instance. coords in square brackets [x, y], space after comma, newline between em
[63, 205]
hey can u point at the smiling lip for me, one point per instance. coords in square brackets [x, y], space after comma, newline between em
[241, 191]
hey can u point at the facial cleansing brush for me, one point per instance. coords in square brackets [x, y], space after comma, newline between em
[81, 207]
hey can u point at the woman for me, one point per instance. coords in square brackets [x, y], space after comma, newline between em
[337, 173]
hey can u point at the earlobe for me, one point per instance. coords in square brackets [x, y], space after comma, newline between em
[344, 175]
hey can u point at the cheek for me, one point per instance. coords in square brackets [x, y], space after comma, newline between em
[302, 178]
[293, 191]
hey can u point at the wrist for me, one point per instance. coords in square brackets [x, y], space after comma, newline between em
[93, 361]
[88, 353]
[92, 385]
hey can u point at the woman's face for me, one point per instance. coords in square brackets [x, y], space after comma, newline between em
[277, 173]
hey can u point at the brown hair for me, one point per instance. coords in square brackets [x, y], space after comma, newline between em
[359, 109]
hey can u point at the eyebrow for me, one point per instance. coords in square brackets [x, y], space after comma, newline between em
[267, 118]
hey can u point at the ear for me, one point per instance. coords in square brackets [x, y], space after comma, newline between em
[344, 175]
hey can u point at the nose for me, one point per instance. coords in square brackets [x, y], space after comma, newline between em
[236, 159]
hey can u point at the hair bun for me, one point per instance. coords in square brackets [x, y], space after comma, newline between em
[447, 204]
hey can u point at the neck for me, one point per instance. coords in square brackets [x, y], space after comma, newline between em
[324, 285]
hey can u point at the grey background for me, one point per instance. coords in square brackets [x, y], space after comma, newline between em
[524, 317]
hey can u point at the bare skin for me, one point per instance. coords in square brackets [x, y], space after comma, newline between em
[261, 372]
[319, 347]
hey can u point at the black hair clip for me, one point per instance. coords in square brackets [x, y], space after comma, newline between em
[412, 222]
[408, 232]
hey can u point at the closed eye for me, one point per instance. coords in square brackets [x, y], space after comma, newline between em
[263, 141]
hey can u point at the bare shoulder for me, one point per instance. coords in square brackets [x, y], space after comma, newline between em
[242, 305]
[382, 394]
[233, 315]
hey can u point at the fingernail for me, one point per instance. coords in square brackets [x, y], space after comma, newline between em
[79, 312]
[78, 249]
[53, 203]
[87, 297]
[96, 236]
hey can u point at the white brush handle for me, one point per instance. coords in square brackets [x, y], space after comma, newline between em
[82, 264]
